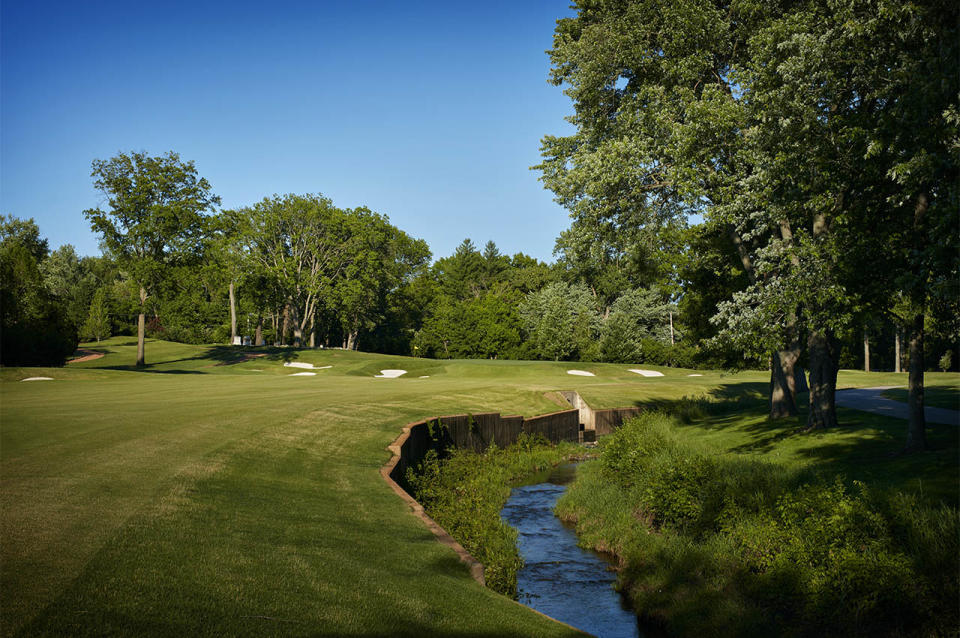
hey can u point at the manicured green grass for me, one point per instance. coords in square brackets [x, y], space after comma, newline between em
[217, 496]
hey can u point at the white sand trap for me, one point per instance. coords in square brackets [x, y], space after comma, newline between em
[581, 373]
[694, 375]
[303, 374]
[390, 374]
[38, 379]
[646, 373]
[426, 376]
[298, 364]
[323, 368]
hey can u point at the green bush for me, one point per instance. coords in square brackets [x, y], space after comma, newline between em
[715, 542]
[678, 355]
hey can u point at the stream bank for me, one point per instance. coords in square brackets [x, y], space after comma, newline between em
[560, 579]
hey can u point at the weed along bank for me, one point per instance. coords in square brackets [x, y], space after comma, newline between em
[482, 456]
[478, 432]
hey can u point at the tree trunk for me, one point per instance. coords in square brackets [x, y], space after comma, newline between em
[233, 316]
[297, 326]
[352, 340]
[800, 381]
[258, 335]
[286, 325]
[783, 401]
[916, 430]
[866, 351]
[313, 333]
[671, 328]
[141, 330]
[896, 350]
[823, 381]
[783, 374]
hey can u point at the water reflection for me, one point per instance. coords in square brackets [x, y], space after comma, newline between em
[560, 579]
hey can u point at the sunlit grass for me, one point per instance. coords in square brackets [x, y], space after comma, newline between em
[215, 494]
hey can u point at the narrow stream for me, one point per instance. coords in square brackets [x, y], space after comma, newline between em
[559, 579]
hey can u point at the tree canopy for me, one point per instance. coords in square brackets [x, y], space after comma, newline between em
[155, 218]
[788, 124]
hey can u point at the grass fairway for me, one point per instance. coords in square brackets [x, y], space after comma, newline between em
[212, 495]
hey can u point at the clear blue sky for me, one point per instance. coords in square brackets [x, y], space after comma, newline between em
[428, 112]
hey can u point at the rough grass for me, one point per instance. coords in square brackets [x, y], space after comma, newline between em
[212, 495]
[754, 544]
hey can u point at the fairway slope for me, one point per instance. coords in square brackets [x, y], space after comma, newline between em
[195, 498]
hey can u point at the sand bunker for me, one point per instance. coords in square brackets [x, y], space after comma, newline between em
[581, 373]
[303, 374]
[390, 374]
[84, 355]
[306, 366]
[694, 375]
[426, 376]
[38, 379]
[647, 373]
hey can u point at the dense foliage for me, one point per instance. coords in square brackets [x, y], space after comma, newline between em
[787, 127]
[465, 491]
[712, 540]
[37, 329]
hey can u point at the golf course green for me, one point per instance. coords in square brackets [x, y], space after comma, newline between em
[215, 493]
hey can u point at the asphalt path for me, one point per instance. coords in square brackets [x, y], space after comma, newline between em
[872, 400]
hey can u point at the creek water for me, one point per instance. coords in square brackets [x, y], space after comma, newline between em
[559, 579]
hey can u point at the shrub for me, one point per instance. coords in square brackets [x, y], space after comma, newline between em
[946, 361]
[713, 541]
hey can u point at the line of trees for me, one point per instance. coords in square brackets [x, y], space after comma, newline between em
[297, 270]
[296, 264]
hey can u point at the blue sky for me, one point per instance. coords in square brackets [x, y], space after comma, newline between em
[428, 112]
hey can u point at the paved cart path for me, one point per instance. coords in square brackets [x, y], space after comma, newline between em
[872, 400]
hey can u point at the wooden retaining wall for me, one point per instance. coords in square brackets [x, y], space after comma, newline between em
[606, 421]
[476, 432]
[556, 427]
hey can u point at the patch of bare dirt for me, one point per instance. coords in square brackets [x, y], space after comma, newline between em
[83, 354]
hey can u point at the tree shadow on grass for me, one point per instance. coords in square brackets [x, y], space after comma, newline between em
[149, 368]
[216, 356]
[864, 447]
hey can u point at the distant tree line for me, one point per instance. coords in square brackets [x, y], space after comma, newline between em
[296, 270]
